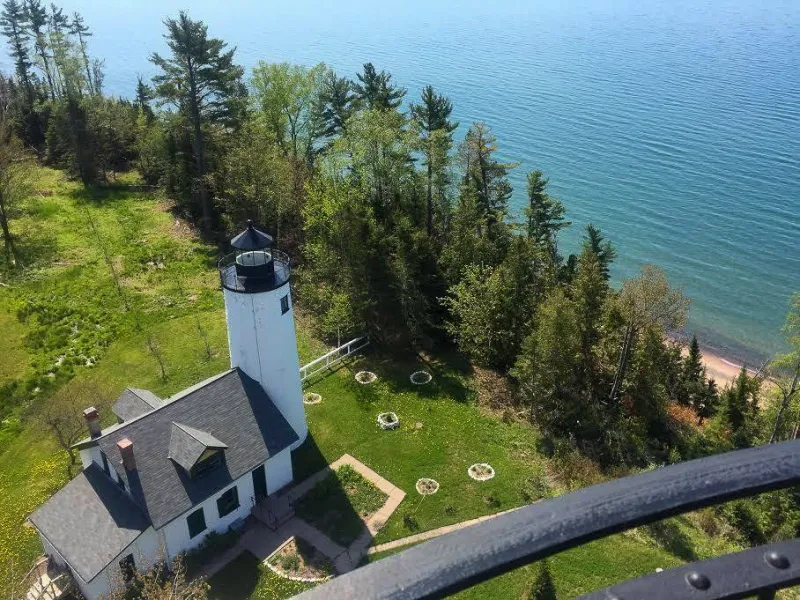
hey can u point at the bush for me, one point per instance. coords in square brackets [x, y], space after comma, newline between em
[290, 562]
[212, 545]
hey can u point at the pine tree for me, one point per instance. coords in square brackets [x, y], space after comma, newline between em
[375, 90]
[13, 23]
[37, 20]
[488, 177]
[202, 81]
[64, 75]
[79, 29]
[337, 100]
[602, 248]
[144, 94]
[740, 408]
[432, 116]
[545, 214]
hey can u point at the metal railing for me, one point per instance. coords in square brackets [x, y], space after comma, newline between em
[230, 279]
[461, 559]
[332, 358]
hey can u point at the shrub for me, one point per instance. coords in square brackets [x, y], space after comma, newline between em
[290, 562]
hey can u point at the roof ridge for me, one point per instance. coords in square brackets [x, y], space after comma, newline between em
[167, 402]
[187, 429]
[135, 392]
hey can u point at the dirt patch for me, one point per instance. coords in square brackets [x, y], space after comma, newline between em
[492, 389]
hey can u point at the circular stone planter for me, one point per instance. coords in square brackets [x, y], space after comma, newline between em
[388, 420]
[420, 378]
[365, 377]
[427, 487]
[311, 398]
[481, 471]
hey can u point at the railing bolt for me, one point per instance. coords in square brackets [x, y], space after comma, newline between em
[698, 581]
[779, 561]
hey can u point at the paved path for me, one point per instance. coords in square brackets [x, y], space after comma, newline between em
[432, 533]
[261, 541]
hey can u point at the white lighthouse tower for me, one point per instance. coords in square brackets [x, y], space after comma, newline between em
[261, 334]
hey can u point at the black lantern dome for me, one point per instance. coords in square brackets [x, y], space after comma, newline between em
[251, 239]
[254, 266]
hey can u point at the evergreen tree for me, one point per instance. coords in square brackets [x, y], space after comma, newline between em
[13, 23]
[337, 100]
[545, 215]
[37, 20]
[432, 117]
[693, 376]
[740, 402]
[548, 367]
[79, 29]
[589, 290]
[64, 71]
[488, 177]
[709, 403]
[375, 90]
[202, 81]
[16, 181]
[491, 308]
[144, 95]
[602, 248]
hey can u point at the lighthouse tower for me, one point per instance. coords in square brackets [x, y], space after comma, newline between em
[261, 334]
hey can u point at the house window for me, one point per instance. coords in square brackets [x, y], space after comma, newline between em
[105, 464]
[285, 304]
[204, 465]
[196, 522]
[128, 568]
[228, 502]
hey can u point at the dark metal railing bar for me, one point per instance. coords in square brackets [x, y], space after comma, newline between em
[463, 558]
[754, 572]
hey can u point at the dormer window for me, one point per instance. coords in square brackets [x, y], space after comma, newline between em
[208, 462]
[196, 452]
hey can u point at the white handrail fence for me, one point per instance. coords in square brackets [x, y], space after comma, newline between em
[332, 358]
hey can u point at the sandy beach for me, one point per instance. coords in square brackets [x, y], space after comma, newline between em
[722, 370]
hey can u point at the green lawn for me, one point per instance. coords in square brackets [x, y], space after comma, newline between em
[245, 577]
[64, 311]
[440, 435]
[337, 504]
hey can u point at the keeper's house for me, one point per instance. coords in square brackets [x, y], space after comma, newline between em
[171, 471]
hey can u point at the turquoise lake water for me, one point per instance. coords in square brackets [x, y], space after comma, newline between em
[673, 125]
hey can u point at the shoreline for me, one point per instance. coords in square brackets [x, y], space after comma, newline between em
[721, 369]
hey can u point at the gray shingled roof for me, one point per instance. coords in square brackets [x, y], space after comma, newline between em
[231, 407]
[90, 521]
[134, 403]
[187, 445]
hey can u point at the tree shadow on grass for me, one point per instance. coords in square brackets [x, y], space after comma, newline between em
[669, 536]
[236, 581]
[447, 377]
[337, 504]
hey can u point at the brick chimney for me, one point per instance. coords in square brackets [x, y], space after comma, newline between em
[126, 451]
[92, 421]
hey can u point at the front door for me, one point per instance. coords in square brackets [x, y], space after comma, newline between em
[260, 482]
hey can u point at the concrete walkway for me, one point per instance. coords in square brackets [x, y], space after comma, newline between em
[432, 533]
[262, 542]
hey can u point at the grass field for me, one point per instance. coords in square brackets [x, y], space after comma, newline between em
[64, 322]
